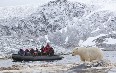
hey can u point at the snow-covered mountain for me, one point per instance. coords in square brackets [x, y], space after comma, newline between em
[62, 23]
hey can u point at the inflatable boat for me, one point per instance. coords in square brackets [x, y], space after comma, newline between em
[17, 57]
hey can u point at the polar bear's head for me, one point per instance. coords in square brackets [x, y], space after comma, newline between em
[75, 51]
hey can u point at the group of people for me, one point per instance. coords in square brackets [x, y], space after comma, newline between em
[47, 50]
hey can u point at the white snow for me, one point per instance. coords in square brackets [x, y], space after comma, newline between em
[106, 4]
[95, 30]
[65, 29]
[61, 30]
[110, 6]
[89, 41]
[93, 13]
[66, 40]
[47, 40]
[113, 31]
[75, 19]
[110, 41]
[100, 35]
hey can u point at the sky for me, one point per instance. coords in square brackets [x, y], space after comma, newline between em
[28, 2]
[31, 2]
[108, 4]
[4, 3]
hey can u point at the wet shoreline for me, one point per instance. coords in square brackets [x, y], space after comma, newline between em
[51, 67]
[69, 64]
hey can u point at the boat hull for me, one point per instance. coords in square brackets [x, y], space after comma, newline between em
[17, 57]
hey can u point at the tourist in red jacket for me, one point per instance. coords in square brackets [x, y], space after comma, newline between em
[48, 50]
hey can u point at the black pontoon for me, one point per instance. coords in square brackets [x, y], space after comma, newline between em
[17, 57]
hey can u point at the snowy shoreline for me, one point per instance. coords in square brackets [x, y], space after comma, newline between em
[48, 68]
[59, 66]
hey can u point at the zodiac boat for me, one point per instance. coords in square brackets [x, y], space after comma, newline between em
[17, 57]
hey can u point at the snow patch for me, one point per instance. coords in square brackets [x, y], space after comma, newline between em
[65, 29]
[66, 40]
[95, 30]
[110, 41]
[46, 37]
[61, 30]
[89, 41]
[113, 31]
[110, 6]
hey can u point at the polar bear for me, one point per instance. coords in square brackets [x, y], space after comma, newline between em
[89, 54]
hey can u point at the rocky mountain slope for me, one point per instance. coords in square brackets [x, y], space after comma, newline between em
[62, 23]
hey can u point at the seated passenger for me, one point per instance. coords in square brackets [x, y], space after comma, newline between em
[36, 52]
[32, 51]
[48, 50]
[27, 52]
[51, 52]
[42, 50]
[21, 52]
